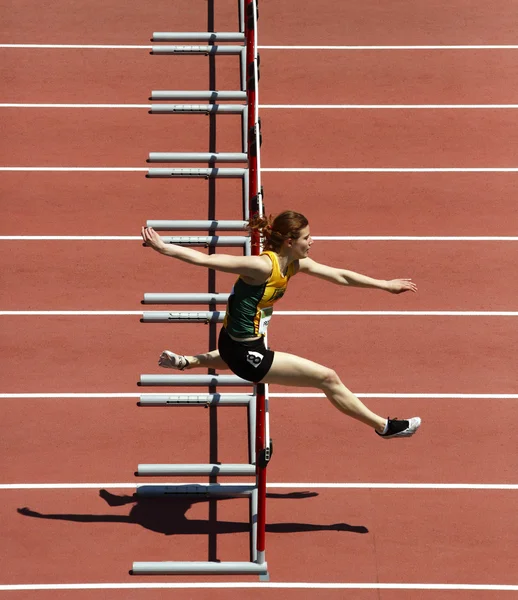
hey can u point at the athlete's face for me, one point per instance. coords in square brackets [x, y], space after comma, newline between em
[300, 247]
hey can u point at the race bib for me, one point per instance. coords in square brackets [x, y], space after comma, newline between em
[264, 320]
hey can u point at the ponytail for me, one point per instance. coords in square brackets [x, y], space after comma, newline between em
[274, 231]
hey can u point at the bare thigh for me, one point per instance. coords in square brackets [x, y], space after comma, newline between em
[288, 369]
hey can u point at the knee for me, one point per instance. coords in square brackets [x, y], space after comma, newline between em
[330, 379]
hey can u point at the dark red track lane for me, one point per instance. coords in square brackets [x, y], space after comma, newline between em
[313, 442]
[390, 138]
[398, 23]
[373, 354]
[120, 283]
[406, 538]
[398, 77]
[442, 204]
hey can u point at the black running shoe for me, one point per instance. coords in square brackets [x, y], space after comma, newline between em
[401, 428]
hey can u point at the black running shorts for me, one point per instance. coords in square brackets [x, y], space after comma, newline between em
[248, 360]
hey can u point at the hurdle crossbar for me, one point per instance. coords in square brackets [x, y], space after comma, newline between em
[159, 298]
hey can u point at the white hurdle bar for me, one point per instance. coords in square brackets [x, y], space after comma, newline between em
[215, 225]
[207, 240]
[192, 380]
[195, 49]
[178, 298]
[214, 172]
[204, 400]
[199, 568]
[208, 470]
[207, 95]
[183, 317]
[203, 109]
[209, 157]
[197, 36]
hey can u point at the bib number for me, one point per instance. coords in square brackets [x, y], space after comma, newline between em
[264, 321]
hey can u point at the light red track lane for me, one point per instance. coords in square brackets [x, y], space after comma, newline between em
[132, 270]
[116, 22]
[101, 138]
[407, 538]
[363, 77]
[108, 76]
[465, 440]
[445, 204]
[107, 203]
[435, 138]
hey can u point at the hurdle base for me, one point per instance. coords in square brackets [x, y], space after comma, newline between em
[200, 568]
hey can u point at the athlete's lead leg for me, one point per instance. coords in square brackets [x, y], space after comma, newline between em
[288, 369]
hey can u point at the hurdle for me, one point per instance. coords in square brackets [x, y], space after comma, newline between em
[213, 44]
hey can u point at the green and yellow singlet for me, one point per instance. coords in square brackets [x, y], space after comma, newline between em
[250, 307]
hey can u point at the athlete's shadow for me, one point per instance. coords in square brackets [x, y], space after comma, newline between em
[167, 516]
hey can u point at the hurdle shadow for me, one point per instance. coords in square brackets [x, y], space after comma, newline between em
[167, 516]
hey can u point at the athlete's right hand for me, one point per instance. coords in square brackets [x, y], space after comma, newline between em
[152, 239]
[166, 360]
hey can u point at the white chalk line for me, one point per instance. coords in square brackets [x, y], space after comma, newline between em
[283, 169]
[262, 585]
[277, 47]
[323, 238]
[290, 485]
[417, 396]
[282, 106]
[285, 313]
[259, 586]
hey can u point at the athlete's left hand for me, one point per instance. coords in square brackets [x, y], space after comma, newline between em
[398, 286]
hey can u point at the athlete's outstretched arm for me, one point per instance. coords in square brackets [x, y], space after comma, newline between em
[345, 277]
[254, 267]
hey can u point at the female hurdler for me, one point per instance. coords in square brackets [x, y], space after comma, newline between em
[262, 281]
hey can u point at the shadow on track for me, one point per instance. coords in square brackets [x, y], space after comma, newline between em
[168, 516]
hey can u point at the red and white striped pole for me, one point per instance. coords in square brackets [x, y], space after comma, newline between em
[255, 210]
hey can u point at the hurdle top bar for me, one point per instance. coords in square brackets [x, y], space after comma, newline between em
[198, 95]
[198, 36]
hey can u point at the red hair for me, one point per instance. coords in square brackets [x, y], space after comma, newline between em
[274, 231]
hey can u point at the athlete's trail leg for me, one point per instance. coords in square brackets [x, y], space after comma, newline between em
[207, 360]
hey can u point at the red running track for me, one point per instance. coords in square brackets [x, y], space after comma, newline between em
[325, 534]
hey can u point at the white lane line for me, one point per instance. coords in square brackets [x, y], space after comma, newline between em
[260, 586]
[284, 106]
[291, 169]
[79, 46]
[307, 485]
[285, 313]
[417, 396]
[384, 106]
[81, 169]
[323, 238]
[277, 47]
[422, 47]
[389, 170]
[25, 105]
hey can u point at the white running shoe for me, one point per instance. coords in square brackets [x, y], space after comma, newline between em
[170, 360]
[401, 428]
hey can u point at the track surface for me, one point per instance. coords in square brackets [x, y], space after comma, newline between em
[317, 533]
